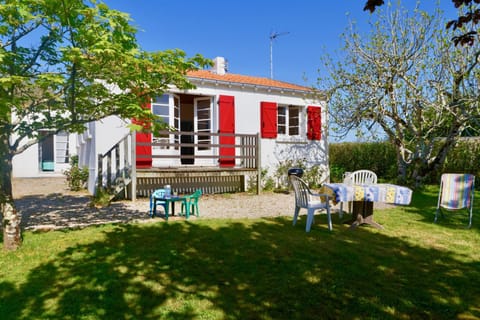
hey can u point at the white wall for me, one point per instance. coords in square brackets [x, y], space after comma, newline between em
[98, 139]
[106, 133]
[27, 164]
[274, 151]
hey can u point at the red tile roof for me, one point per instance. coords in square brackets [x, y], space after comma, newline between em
[241, 79]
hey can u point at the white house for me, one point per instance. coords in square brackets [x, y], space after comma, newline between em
[48, 158]
[212, 125]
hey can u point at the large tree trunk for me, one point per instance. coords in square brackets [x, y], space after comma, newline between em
[10, 218]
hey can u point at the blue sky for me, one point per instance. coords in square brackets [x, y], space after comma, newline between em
[240, 31]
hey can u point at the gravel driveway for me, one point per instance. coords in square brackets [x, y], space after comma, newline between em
[47, 204]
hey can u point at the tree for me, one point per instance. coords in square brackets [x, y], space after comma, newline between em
[65, 63]
[469, 15]
[409, 80]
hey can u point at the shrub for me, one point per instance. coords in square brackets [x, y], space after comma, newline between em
[380, 157]
[102, 198]
[76, 177]
[311, 175]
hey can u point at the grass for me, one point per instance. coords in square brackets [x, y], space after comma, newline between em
[250, 269]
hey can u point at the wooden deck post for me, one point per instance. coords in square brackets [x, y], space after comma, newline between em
[259, 165]
[133, 183]
[100, 173]
[109, 169]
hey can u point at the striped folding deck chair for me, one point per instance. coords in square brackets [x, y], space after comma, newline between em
[456, 192]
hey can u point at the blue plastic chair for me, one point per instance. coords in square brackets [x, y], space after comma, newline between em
[159, 193]
[190, 204]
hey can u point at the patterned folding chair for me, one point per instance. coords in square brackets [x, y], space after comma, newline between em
[304, 198]
[456, 192]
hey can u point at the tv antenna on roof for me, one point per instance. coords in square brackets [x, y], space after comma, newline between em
[273, 36]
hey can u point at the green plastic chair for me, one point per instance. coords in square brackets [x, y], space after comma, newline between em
[190, 204]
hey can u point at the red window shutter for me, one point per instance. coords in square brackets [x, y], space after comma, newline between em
[227, 125]
[227, 114]
[144, 153]
[268, 119]
[314, 123]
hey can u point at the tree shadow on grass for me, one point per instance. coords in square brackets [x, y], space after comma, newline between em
[424, 205]
[258, 269]
[56, 211]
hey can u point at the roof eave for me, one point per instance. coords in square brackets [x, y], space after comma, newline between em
[248, 85]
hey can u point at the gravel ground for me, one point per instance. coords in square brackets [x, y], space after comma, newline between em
[46, 204]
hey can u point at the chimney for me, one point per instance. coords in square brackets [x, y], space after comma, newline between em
[220, 65]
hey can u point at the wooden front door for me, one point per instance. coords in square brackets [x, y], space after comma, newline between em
[227, 125]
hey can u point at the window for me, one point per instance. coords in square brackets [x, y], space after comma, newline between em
[176, 120]
[203, 123]
[282, 120]
[288, 120]
[161, 108]
[61, 154]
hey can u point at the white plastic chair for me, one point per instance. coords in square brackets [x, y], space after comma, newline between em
[363, 177]
[357, 177]
[304, 198]
[456, 192]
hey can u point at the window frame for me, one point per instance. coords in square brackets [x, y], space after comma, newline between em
[285, 129]
[208, 121]
[162, 101]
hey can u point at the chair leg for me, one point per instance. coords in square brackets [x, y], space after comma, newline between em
[195, 209]
[340, 213]
[150, 212]
[187, 209]
[184, 205]
[295, 215]
[167, 204]
[439, 210]
[470, 217]
[310, 216]
[329, 219]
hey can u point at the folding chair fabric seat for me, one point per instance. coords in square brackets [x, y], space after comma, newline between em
[456, 192]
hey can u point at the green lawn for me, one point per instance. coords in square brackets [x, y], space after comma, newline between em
[250, 269]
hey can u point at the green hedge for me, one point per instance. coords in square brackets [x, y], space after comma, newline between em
[464, 158]
[380, 157]
[350, 156]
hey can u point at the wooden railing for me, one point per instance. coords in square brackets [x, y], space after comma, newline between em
[208, 146]
[116, 172]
